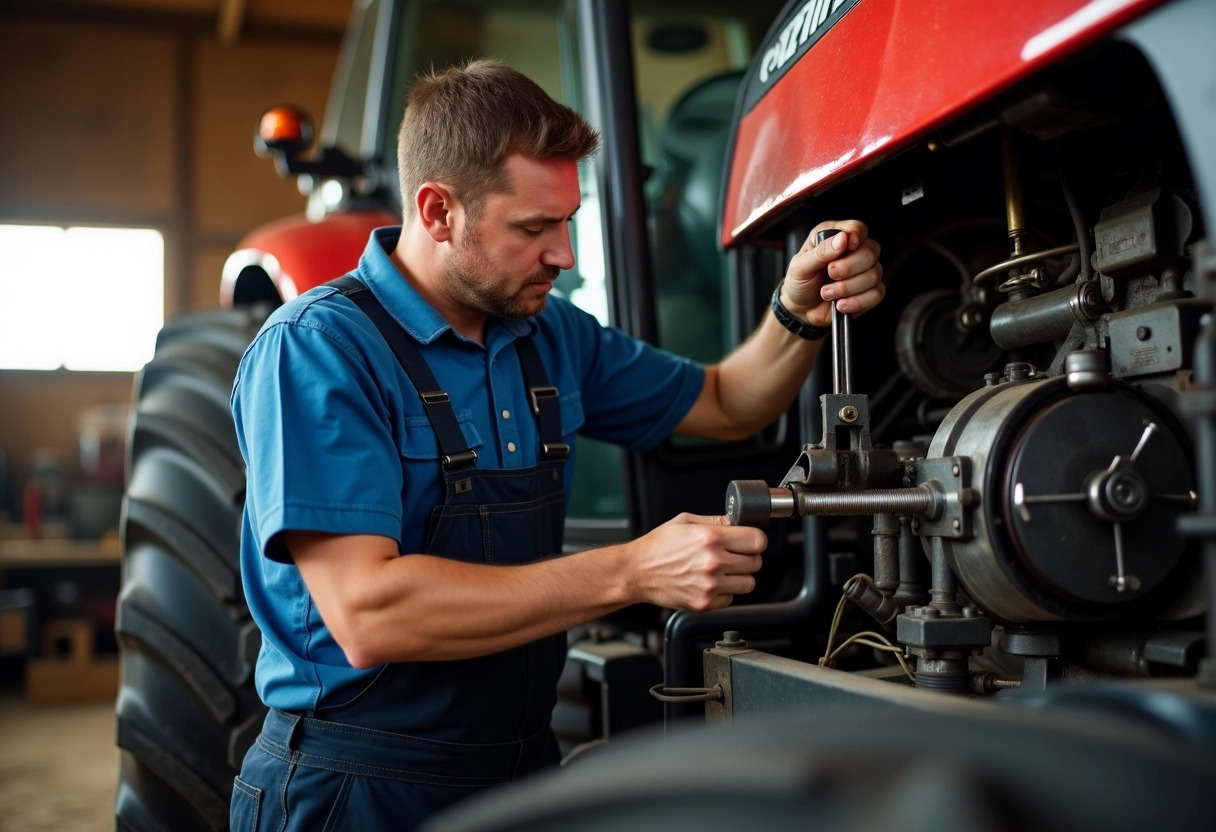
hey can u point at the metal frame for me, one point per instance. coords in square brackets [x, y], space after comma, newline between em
[757, 684]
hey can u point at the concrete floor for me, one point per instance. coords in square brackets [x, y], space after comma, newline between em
[58, 764]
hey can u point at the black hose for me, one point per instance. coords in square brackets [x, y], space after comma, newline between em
[688, 633]
[1078, 223]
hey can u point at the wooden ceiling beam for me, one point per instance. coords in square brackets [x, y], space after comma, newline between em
[230, 17]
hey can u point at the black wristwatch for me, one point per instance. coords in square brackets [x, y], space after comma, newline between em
[796, 325]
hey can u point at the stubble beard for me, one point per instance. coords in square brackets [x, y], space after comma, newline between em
[478, 285]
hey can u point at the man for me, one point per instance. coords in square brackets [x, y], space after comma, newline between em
[406, 432]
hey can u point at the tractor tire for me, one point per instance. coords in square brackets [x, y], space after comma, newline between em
[187, 710]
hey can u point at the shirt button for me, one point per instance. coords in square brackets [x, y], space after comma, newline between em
[511, 447]
[506, 414]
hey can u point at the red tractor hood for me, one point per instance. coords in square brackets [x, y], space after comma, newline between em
[841, 84]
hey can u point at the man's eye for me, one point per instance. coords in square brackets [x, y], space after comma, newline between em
[533, 232]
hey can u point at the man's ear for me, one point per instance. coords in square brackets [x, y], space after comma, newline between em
[436, 207]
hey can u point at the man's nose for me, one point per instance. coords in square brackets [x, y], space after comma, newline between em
[560, 253]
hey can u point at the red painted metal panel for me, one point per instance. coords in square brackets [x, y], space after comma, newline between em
[886, 74]
[300, 254]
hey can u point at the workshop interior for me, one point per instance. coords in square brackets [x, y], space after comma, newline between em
[987, 598]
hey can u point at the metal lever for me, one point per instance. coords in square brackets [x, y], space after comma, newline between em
[842, 365]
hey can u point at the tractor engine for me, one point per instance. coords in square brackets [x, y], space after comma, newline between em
[1036, 472]
[989, 591]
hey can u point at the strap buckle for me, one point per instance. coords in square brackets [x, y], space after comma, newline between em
[554, 450]
[536, 394]
[461, 459]
[435, 397]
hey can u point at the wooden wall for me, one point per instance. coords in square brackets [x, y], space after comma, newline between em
[124, 115]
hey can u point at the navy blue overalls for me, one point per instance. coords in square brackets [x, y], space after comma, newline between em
[424, 735]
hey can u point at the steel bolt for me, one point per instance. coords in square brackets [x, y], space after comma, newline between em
[1086, 369]
[954, 470]
[957, 524]
[1019, 371]
[1090, 297]
[848, 413]
[731, 638]
[1143, 333]
[971, 317]
[1126, 493]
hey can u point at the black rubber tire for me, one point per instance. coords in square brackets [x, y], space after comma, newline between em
[1126, 764]
[187, 710]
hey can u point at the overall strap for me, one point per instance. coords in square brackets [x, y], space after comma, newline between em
[455, 452]
[544, 401]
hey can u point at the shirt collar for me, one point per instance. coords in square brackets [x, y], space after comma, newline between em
[410, 309]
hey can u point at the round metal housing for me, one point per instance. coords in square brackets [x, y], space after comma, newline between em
[1079, 498]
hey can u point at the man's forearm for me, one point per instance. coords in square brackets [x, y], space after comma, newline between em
[765, 374]
[433, 608]
[426, 608]
[754, 385]
[382, 607]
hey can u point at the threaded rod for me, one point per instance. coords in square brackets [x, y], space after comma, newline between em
[918, 501]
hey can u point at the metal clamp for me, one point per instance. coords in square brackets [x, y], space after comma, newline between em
[455, 461]
[554, 450]
[538, 393]
[685, 695]
[435, 397]
[950, 480]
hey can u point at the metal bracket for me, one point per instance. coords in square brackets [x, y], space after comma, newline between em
[844, 412]
[953, 475]
[716, 665]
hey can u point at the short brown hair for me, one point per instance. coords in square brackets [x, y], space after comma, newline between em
[461, 123]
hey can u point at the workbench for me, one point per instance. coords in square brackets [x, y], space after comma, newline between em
[72, 656]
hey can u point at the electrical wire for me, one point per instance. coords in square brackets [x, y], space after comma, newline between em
[827, 651]
[879, 642]
[883, 644]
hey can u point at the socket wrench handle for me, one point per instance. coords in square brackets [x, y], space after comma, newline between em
[842, 361]
[753, 503]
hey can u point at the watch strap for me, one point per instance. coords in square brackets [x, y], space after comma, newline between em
[799, 327]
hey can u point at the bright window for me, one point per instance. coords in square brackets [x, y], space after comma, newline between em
[79, 298]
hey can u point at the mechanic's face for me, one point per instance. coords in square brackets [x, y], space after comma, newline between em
[506, 260]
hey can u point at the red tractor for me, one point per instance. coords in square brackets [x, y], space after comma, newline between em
[991, 514]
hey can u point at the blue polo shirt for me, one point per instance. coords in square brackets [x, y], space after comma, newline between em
[335, 438]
